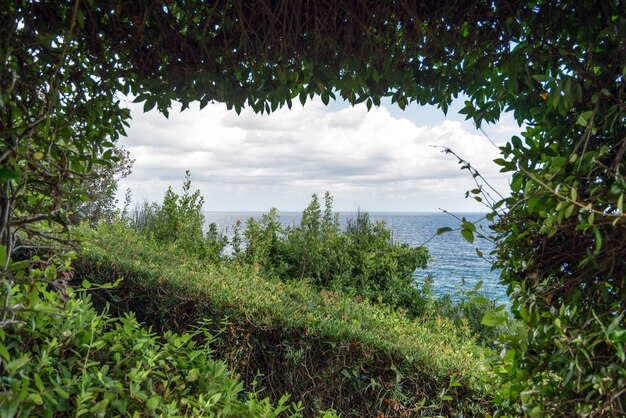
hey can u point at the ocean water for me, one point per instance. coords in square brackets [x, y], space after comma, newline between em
[453, 262]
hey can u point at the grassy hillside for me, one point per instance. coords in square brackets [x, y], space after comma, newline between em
[327, 350]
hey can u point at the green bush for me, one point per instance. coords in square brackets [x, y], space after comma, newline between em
[78, 362]
[361, 261]
[179, 220]
[488, 320]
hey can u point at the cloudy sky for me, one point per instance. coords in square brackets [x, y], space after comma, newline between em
[382, 160]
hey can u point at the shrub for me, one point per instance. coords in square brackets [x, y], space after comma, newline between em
[179, 220]
[361, 261]
[488, 320]
[78, 362]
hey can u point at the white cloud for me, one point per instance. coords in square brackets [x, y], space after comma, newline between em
[366, 159]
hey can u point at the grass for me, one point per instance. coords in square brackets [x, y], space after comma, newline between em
[325, 349]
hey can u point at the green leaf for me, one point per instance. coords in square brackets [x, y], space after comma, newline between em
[6, 173]
[214, 399]
[443, 230]
[465, 29]
[598, 239]
[36, 399]
[469, 225]
[121, 405]
[492, 320]
[543, 78]
[3, 255]
[61, 392]
[38, 383]
[101, 407]
[4, 353]
[523, 312]
[480, 300]
[149, 104]
[468, 235]
[18, 363]
[325, 98]
[583, 118]
[153, 403]
[193, 374]
[86, 284]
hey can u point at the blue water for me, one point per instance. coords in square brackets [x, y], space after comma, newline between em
[453, 260]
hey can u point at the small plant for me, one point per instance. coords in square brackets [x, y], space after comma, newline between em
[487, 320]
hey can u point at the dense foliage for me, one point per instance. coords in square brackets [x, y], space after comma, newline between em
[561, 233]
[558, 66]
[362, 260]
[326, 349]
[78, 362]
[179, 220]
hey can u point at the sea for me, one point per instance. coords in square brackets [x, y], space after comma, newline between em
[454, 265]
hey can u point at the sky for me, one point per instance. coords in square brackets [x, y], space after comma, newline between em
[382, 160]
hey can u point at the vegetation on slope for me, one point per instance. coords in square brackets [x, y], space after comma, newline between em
[78, 362]
[325, 349]
[333, 336]
[361, 260]
[330, 348]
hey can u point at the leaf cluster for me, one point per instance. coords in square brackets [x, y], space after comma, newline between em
[76, 361]
[561, 232]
